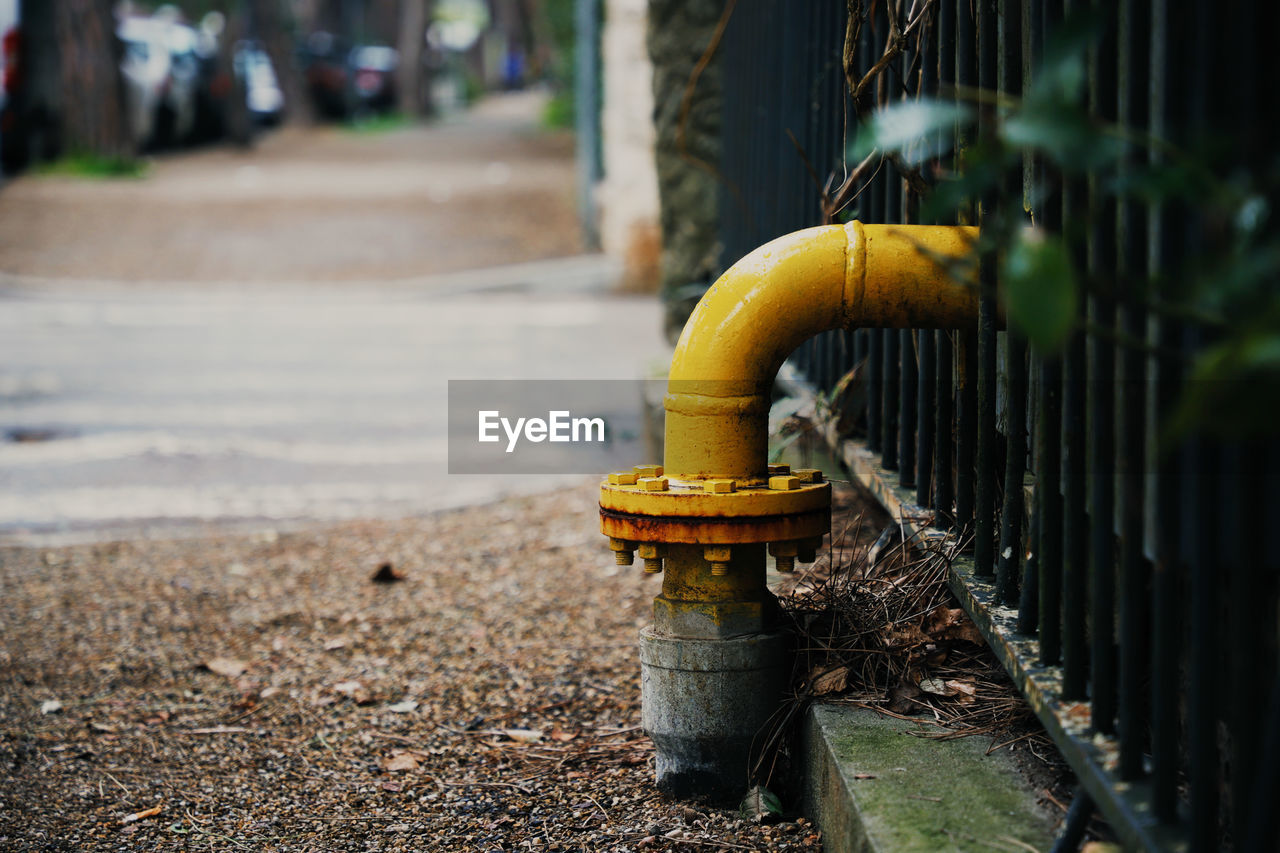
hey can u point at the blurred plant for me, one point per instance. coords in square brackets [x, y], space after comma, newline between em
[94, 166]
[1228, 293]
[376, 123]
[559, 111]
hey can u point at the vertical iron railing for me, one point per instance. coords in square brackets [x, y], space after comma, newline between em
[1144, 582]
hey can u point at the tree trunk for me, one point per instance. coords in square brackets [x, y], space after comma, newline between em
[415, 91]
[92, 108]
[271, 24]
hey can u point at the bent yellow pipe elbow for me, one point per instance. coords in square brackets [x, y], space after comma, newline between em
[777, 297]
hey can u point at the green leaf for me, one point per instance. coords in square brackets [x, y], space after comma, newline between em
[918, 129]
[1040, 291]
[1065, 134]
[1234, 388]
[761, 805]
[1062, 74]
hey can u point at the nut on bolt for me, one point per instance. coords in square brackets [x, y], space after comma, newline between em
[779, 469]
[808, 475]
[718, 556]
[647, 470]
[622, 478]
[718, 487]
[652, 555]
[653, 484]
[784, 482]
[807, 551]
[622, 551]
[784, 553]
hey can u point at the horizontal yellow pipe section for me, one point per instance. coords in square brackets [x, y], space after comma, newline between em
[776, 298]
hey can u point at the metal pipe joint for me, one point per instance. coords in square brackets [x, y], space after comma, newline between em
[713, 666]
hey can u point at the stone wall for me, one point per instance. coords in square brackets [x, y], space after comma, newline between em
[679, 32]
[628, 195]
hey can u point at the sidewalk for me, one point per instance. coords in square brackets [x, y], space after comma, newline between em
[265, 339]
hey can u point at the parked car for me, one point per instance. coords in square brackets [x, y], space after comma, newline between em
[262, 91]
[328, 75]
[28, 98]
[176, 120]
[145, 69]
[213, 79]
[9, 69]
[373, 75]
[343, 81]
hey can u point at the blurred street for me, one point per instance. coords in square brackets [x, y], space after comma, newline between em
[267, 336]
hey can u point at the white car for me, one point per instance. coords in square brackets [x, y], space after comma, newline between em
[161, 72]
[145, 68]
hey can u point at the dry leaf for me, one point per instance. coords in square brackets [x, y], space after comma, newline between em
[761, 805]
[935, 655]
[906, 637]
[936, 686]
[561, 735]
[334, 644]
[952, 623]
[50, 706]
[900, 699]
[522, 735]
[832, 681]
[145, 813]
[387, 573]
[403, 707]
[399, 761]
[353, 690]
[228, 667]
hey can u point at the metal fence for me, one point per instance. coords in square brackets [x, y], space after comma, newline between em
[1140, 571]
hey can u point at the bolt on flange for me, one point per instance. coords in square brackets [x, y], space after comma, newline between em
[783, 482]
[652, 555]
[622, 551]
[784, 554]
[718, 556]
[807, 550]
[653, 484]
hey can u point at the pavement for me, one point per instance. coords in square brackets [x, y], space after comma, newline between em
[265, 338]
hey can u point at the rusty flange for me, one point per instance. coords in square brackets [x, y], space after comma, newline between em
[643, 506]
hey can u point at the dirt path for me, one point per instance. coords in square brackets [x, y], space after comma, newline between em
[263, 693]
[313, 204]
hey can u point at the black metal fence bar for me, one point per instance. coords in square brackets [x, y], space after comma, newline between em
[1131, 265]
[926, 391]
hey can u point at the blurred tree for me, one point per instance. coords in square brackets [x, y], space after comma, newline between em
[415, 89]
[272, 23]
[91, 112]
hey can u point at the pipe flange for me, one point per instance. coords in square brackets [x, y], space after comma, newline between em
[789, 506]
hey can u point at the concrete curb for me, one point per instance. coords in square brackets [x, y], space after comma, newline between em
[871, 786]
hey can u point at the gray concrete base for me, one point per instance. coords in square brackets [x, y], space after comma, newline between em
[871, 786]
[703, 702]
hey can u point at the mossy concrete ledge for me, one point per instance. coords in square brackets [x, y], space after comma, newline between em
[872, 786]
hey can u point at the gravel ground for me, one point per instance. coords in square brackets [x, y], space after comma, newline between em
[264, 693]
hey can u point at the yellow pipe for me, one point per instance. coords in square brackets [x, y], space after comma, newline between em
[776, 298]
